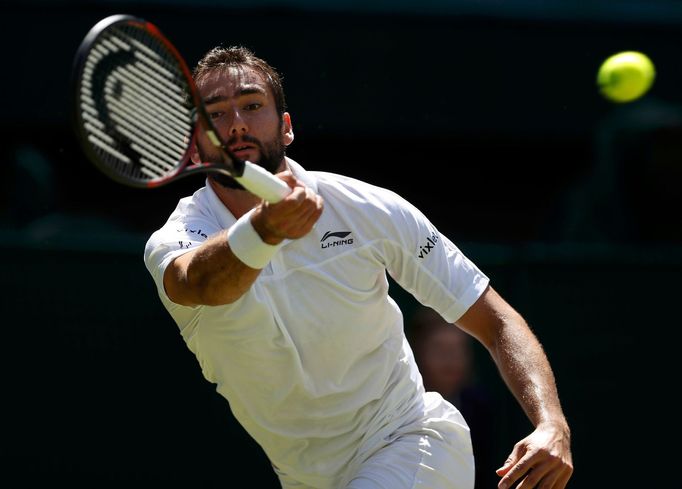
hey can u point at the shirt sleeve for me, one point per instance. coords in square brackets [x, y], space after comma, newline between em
[176, 237]
[429, 265]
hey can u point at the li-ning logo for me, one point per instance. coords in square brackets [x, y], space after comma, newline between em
[337, 234]
[430, 243]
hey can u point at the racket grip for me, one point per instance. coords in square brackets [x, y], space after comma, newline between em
[262, 183]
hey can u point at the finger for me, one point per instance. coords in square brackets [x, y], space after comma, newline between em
[511, 460]
[298, 218]
[317, 201]
[296, 197]
[291, 201]
[306, 200]
[562, 479]
[549, 481]
[310, 214]
[556, 479]
[289, 178]
[317, 211]
[555, 474]
[296, 214]
[535, 477]
[515, 472]
[505, 467]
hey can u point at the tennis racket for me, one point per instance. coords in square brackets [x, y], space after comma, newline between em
[138, 111]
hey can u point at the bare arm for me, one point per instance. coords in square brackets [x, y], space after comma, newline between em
[525, 369]
[212, 275]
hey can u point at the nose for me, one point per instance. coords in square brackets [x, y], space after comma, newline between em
[238, 124]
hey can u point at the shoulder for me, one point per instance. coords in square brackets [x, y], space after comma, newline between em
[193, 220]
[342, 189]
[376, 208]
[199, 205]
[375, 212]
[359, 193]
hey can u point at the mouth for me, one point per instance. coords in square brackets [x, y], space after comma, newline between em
[241, 147]
[242, 150]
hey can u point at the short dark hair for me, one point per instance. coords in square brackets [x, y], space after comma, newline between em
[223, 57]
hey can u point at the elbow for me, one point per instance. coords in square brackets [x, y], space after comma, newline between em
[208, 293]
[215, 300]
[499, 331]
[192, 290]
[197, 282]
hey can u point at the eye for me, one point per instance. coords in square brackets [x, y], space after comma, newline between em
[215, 114]
[253, 106]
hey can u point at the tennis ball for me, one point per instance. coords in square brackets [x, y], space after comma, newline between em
[626, 76]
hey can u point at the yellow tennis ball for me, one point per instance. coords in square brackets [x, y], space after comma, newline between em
[626, 76]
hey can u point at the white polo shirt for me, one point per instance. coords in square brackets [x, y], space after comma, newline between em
[313, 358]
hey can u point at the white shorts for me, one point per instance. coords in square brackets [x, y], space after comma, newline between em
[432, 452]
[435, 453]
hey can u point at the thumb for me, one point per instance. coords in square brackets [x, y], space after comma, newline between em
[288, 177]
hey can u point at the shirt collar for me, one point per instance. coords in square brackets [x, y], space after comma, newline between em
[303, 175]
[226, 218]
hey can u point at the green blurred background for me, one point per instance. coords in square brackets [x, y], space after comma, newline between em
[485, 114]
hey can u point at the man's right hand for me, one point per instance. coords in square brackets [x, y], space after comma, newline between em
[291, 218]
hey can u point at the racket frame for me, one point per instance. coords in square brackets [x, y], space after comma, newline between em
[267, 185]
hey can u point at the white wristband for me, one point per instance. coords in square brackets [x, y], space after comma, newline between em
[247, 245]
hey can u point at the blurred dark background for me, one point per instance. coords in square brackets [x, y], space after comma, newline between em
[485, 114]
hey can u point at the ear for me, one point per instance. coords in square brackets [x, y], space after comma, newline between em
[194, 154]
[287, 129]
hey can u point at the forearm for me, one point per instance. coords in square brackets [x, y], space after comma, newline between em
[522, 362]
[222, 269]
[525, 369]
[543, 458]
[211, 275]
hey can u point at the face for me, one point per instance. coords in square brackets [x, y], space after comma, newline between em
[445, 360]
[242, 108]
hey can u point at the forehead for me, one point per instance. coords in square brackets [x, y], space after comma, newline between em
[231, 81]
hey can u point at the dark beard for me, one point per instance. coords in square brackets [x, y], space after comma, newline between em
[272, 155]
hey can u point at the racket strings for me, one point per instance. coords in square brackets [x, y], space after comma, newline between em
[134, 106]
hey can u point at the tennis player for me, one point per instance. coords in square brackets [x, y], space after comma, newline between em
[286, 308]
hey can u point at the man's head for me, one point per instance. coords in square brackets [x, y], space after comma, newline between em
[245, 100]
[220, 58]
[443, 352]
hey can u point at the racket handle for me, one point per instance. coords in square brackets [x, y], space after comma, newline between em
[262, 183]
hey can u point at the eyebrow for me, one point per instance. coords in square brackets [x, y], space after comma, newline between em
[213, 99]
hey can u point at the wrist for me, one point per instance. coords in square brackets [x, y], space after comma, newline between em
[248, 245]
[258, 222]
[559, 425]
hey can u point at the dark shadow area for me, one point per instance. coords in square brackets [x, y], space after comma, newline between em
[492, 126]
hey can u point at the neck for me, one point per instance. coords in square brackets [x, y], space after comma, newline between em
[239, 202]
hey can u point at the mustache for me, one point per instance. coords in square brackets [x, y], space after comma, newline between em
[246, 138]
